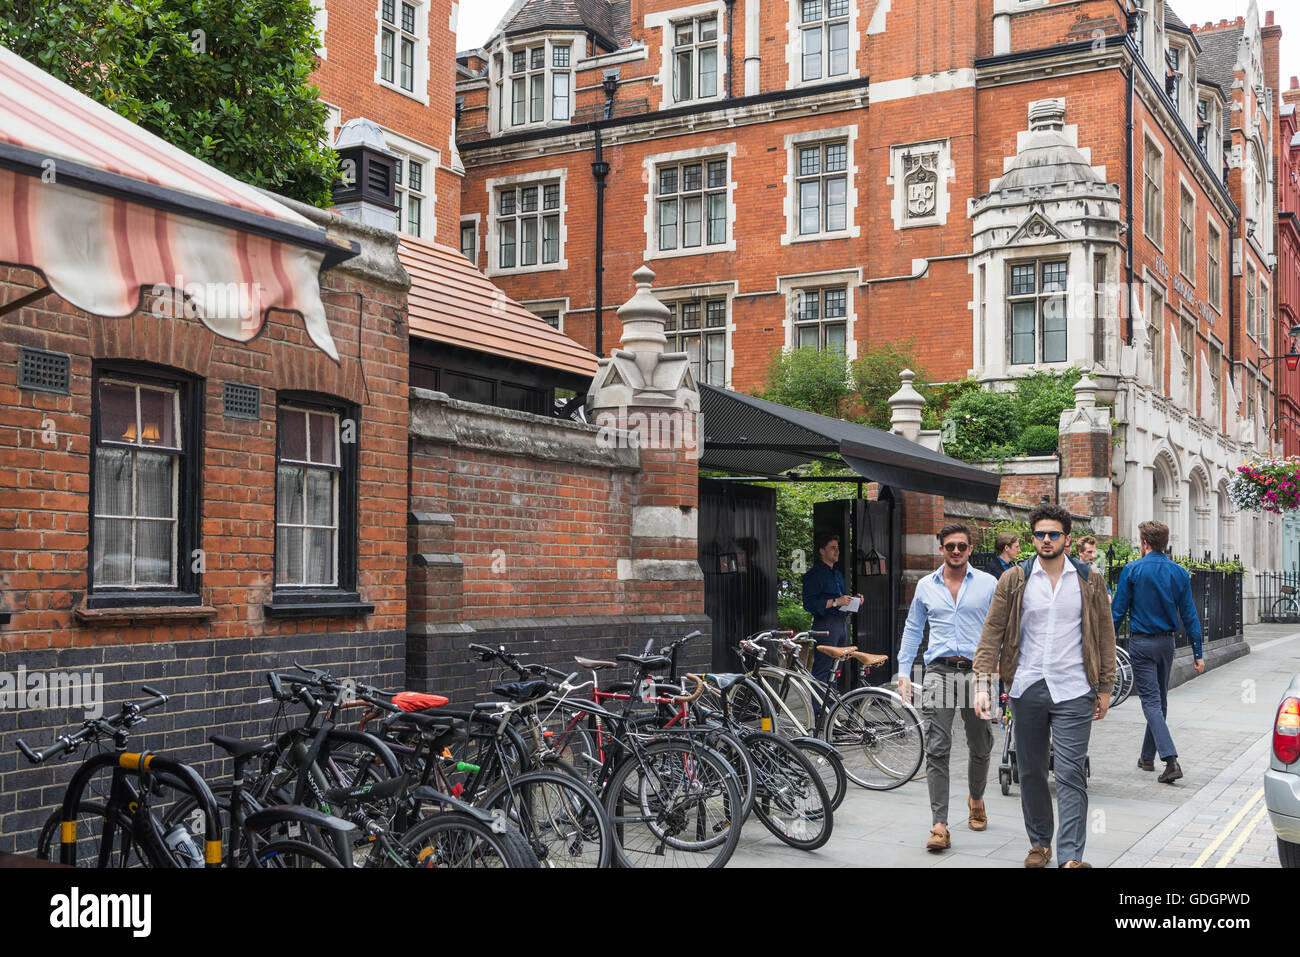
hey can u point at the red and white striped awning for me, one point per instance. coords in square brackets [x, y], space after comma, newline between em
[102, 208]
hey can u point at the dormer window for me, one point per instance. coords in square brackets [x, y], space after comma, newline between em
[1173, 76]
[533, 83]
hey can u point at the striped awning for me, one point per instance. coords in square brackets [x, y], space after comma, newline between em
[103, 209]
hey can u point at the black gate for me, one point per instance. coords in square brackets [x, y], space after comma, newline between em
[738, 557]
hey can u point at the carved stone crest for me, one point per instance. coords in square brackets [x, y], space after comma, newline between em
[921, 180]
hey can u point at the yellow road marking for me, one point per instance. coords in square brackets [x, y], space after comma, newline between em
[1241, 839]
[1223, 835]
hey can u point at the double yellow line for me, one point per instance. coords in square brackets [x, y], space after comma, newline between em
[1235, 846]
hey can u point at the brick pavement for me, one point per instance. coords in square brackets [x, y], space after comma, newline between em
[1219, 722]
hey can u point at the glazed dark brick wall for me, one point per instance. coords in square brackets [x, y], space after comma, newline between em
[217, 685]
[442, 664]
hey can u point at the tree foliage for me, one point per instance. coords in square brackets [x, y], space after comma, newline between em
[809, 379]
[875, 379]
[224, 80]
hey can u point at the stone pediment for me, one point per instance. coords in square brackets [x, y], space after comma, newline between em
[1036, 229]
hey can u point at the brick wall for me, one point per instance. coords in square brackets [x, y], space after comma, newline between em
[211, 654]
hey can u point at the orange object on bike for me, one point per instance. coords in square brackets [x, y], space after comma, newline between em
[417, 701]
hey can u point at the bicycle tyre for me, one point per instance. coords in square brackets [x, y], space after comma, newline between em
[49, 843]
[1285, 608]
[829, 765]
[457, 839]
[732, 749]
[1123, 677]
[560, 816]
[687, 778]
[749, 705]
[799, 719]
[790, 798]
[293, 854]
[879, 737]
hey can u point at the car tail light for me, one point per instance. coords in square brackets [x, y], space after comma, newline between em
[1286, 731]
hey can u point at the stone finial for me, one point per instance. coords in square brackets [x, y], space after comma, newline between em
[644, 317]
[906, 405]
[1085, 392]
[1047, 115]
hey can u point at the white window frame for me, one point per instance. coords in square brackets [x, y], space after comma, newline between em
[703, 155]
[795, 41]
[500, 82]
[665, 22]
[1213, 266]
[338, 472]
[429, 158]
[1158, 363]
[1159, 239]
[1040, 298]
[791, 286]
[897, 180]
[420, 68]
[1185, 188]
[493, 238]
[1265, 315]
[1252, 296]
[476, 221]
[541, 307]
[793, 143]
[724, 292]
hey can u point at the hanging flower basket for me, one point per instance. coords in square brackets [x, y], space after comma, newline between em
[1267, 485]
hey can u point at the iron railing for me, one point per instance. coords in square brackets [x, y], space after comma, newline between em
[1279, 596]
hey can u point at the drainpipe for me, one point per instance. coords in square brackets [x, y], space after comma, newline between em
[731, 4]
[1232, 298]
[600, 170]
[1128, 139]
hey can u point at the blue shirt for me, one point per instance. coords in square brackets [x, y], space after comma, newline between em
[954, 626]
[1155, 592]
[821, 583]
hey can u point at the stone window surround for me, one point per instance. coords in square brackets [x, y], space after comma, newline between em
[492, 238]
[1149, 137]
[943, 199]
[1214, 225]
[1151, 284]
[704, 153]
[1038, 256]
[432, 159]
[794, 48]
[850, 279]
[420, 78]
[1183, 184]
[504, 48]
[729, 290]
[664, 21]
[477, 220]
[539, 306]
[792, 143]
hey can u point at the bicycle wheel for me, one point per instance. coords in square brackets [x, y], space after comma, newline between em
[457, 839]
[1285, 609]
[293, 854]
[123, 850]
[733, 750]
[789, 796]
[560, 817]
[794, 705]
[750, 706]
[574, 742]
[685, 813]
[879, 737]
[829, 765]
[1123, 678]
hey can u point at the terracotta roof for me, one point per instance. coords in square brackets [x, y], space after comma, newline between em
[453, 303]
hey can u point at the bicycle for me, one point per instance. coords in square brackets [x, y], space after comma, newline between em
[1288, 606]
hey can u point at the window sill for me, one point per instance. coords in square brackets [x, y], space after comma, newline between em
[849, 233]
[385, 84]
[144, 615]
[493, 272]
[317, 604]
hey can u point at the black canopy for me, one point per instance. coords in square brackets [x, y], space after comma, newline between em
[748, 436]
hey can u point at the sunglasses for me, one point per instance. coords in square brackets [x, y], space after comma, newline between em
[955, 547]
[1052, 535]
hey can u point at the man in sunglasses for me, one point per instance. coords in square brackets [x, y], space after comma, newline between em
[1050, 635]
[953, 601]
[1156, 594]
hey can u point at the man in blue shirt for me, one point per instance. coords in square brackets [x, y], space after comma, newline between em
[1006, 549]
[824, 598]
[1155, 593]
[954, 601]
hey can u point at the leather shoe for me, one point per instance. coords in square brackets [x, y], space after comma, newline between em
[1146, 765]
[1171, 773]
[940, 839]
[1076, 864]
[1038, 856]
[979, 818]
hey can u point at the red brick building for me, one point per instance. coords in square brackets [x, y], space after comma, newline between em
[1012, 185]
[1288, 265]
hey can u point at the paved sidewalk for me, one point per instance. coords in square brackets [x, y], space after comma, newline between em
[1207, 819]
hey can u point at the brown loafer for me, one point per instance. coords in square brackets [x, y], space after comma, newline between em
[940, 839]
[979, 819]
[1038, 856]
[1076, 864]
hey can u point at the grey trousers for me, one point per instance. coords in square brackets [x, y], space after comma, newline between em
[945, 692]
[1064, 728]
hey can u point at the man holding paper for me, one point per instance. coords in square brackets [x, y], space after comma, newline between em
[824, 598]
[953, 601]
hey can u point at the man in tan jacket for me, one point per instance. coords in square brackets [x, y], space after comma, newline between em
[1051, 637]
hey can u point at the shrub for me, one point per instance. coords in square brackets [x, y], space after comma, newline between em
[1038, 440]
[875, 379]
[809, 379]
[985, 425]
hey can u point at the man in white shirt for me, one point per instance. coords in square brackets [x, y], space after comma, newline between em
[1049, 632]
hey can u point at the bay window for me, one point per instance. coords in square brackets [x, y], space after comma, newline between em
[1036, 305]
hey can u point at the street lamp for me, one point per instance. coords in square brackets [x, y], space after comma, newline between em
[1292, 358]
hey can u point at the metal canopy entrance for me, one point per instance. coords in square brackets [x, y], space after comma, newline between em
[748, 436]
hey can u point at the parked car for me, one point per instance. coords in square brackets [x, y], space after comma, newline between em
[1282, 779]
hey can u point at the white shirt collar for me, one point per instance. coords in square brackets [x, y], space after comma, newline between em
[1067, 570]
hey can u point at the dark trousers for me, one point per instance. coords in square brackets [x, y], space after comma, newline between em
[1153, 659]
[824, 665]
[1061, 729]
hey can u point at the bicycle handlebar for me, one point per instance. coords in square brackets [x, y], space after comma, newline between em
[699, 690]
[130, 715]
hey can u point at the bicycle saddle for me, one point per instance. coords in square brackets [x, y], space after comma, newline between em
[594, 664]
[523, 690]
[723, 682]
[240, 749]
[868, 659]
[416, 701]
[648, 662]
[834, 651]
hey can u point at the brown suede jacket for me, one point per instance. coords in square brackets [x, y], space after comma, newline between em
[999, 647]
